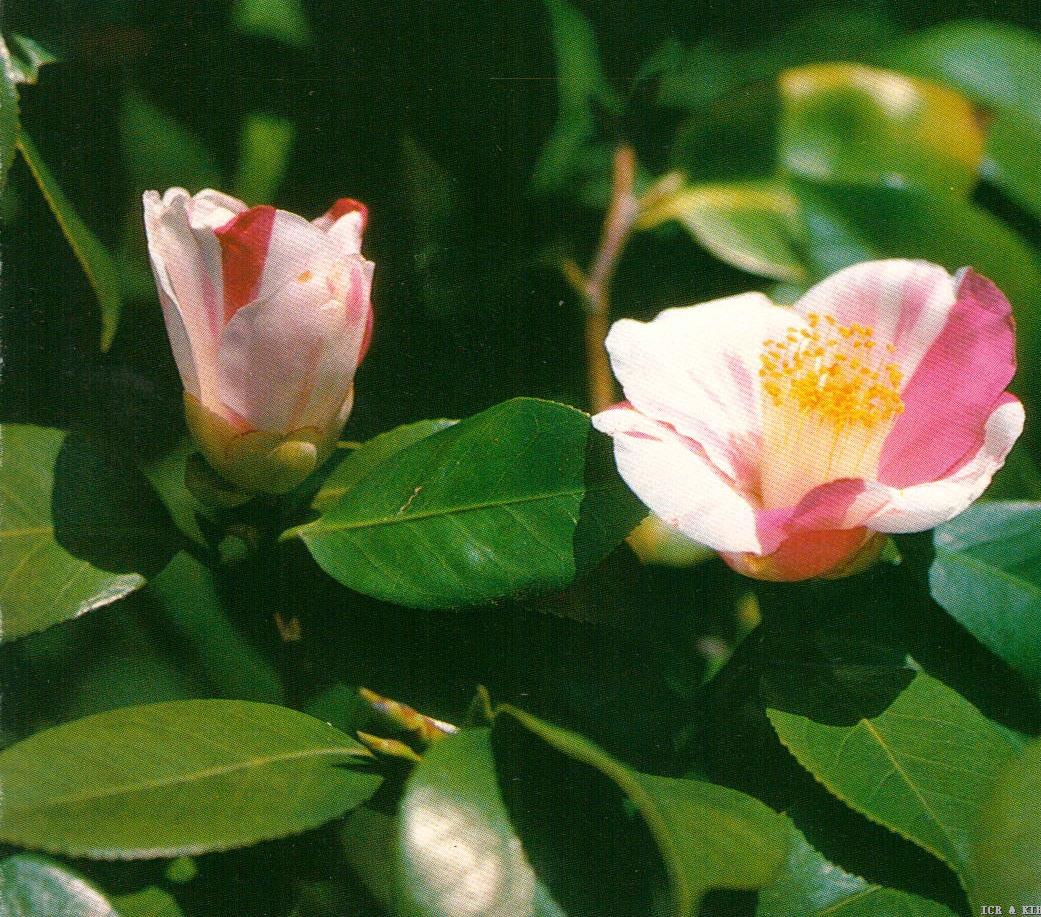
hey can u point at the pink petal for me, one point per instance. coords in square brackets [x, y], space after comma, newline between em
[806, 555]
[905, 302]
[955, 388]
[697, 369]
[836, 505]
[345, 224]
[675, 479]
[923, 506]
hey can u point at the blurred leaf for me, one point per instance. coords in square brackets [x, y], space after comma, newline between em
[149, 902]
[177, 778]
[25, 57]
[577, 158]
[456, 853]
[357, 465]
[166, 475]
[580, 814]
[281, 20]
[754, 226]
[1008, 847]
[810, 886]
[512, 500]
[187, 593]
[160, 152]
[997, 65]
[265, 145]
[33, 886]
[987, 574]
[93, 257]
[8, 112]
[80, 532]
[858, 124]
[921, 768]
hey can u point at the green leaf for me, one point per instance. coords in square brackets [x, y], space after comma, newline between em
[576, 808]
[754, 226]
[1008, 847]
[810, 886]
[93, 257]
[281, 20]
[996, 64]
[177, 778]
[188, 595]
[265, 146]
[518, 498]
[987, 575]
[79, 532]
[456, 853]
[575, 156]
[357, 465]
[33, 886]
[160, 152]
[921, 768]
[149, 902]
[858, 124]
[9, 123]
[26, 57]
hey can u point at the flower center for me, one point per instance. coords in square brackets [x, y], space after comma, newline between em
[831, 394]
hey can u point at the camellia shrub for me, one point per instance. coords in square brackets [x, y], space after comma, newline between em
[674, 548]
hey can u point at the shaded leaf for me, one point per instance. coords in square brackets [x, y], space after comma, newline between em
[34, 886]
[8, 111]
[265, 145]
[921, 768]
[178, 778]
[93, 257]
[149, 902]
[515, 499]
[79, 532]
[852, 123]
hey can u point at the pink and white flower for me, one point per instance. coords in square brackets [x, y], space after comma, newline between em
[792, 439]
[268, 316]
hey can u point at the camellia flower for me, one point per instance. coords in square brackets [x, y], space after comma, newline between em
[268, 316]
[790, 439]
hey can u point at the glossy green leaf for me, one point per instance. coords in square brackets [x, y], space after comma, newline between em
[34, 886]
[456, 852]
[921, 768]
[753, 226]
[852, 123]
[265, 146]
[987, 574]
[1008, 846]
[160, 151]
[187, 592]
[149, 902]
[579, 813]
[282, 20]
[78, 532]
[26, 57]
[519, 498]
[8, 111]
[996, 64]
[178, 778]
[93, 257]
[810, 886]
[358, 464]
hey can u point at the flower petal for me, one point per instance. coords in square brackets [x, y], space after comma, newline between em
[697, 369]
[905, 302]
[955, 388]
[923, 506]
[675, 479]
[345, 224]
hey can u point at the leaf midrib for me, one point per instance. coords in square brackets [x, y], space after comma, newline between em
[195, 776]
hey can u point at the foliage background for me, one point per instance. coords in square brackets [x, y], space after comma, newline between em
[436, 115]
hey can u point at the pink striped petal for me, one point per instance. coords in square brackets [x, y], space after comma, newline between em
[676, 480]
[345, 224]
[955, 388]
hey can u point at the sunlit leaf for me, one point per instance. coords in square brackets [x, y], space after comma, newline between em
[26, 57]
[282, 20]
[265, 146]
[34, 886]
[177, 778]
[93, 257]
[8, 112]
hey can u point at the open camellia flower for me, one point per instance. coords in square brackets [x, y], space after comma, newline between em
[789, 439]
[268, 316]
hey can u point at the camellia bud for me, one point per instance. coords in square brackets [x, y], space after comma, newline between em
[268, 317]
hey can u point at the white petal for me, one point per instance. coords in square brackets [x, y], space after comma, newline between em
[923, 506]
[676, 481]
[697, 368]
